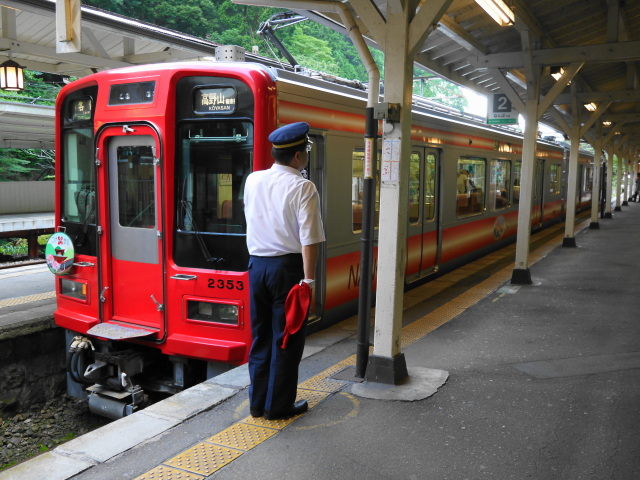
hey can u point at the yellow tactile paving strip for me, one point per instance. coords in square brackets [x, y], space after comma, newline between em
[10, 302]
[205, 458]
[166, 473]
[242, 436]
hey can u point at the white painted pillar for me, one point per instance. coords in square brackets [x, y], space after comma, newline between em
[631, 185]
[387, 364]
[569, 239]
[619, 180]
[521, 274]
[597, 166]
[607, 209]
[625, 180]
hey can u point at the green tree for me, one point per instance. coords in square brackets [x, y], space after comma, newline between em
[438, 89]
[26, 164]
[313, 45]
[194, 17]
[35, 88]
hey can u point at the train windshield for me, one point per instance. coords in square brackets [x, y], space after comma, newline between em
[214, 158]
[214, 163]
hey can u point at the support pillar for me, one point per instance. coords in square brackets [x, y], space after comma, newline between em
[387, 364]
[609, 194]
[631, 179]
[597, 167]
[625, 179]
[521, 274]
[569, 239]
[619, 180]
[32, 242]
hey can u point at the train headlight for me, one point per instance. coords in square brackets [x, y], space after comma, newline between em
[212, 312]
[73, 289]
[229, 312]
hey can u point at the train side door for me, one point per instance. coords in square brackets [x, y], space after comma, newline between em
[132, 272]
[424, 230]
[316, 173]
[537, 208]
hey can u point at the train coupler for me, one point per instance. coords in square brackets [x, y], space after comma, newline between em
[113, 404]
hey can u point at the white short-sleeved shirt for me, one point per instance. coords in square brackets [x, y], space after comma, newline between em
[283, 212]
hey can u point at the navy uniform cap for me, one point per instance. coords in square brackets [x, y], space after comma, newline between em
[290, 135]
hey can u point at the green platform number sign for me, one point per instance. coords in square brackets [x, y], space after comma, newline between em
[59, 254]
[500, 110]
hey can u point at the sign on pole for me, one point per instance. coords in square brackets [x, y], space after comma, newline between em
[500, 110]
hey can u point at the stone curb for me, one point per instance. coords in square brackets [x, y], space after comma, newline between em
[27, 327]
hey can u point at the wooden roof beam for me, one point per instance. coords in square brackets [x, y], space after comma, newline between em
[599, 53]
[596, 97]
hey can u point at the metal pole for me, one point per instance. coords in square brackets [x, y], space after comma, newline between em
[367, 241]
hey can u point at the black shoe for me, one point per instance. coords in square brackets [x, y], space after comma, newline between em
[256, 412]
[296, 409]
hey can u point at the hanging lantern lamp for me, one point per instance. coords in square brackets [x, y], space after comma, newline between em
[11, 76]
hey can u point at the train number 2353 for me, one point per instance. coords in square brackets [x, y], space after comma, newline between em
[228, 284]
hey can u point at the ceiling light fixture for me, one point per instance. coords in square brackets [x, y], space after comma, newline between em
[592, 107]
[499, 11]
[11, 76]
[557, 72]
[606, 124]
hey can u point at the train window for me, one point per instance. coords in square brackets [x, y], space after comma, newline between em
[79, 184]
[136, 187]
[587, 184]
[430, 187]
[500, 181]
[470, 182]
[554, 179]
[517, 172]
[215, 159]
[357, 190]
[414, 188]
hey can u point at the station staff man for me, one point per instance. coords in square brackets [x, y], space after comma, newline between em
[284, 230]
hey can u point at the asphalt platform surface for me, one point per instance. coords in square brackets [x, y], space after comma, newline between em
[544, 383]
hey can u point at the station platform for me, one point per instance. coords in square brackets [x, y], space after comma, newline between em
[27, 300]
[543, 382]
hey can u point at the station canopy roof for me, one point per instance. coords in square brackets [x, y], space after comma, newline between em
[28, 34]
[466, 46]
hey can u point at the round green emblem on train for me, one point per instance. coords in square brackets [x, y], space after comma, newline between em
[59, 253]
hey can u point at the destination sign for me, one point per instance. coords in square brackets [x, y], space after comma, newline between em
[221, 100]
[81, 110]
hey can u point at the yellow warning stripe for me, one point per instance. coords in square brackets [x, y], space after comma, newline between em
[10, 302]
[209, 456]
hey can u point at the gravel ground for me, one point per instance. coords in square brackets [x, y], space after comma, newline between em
[43, 427]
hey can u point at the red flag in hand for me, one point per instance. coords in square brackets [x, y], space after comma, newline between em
[296, 308]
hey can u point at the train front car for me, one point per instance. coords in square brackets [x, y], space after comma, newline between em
[151, 164]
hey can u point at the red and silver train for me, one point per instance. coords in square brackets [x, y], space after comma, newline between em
[151, 165]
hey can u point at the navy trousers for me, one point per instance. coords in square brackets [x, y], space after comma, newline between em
[273, 370]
